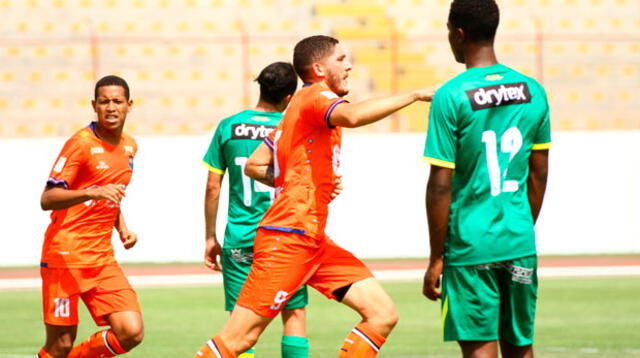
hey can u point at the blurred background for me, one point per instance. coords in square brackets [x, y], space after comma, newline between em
[191, 63]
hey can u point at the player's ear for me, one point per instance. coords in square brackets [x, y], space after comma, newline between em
[317, 70]
[93, 104]
[130, 103]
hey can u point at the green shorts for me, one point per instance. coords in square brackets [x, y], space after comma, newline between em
[491, 301]
[236, 264]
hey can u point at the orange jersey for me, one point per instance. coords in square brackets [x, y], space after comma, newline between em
[80, 236]
[306, 158]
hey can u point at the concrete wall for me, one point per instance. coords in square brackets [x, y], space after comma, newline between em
[592, 203]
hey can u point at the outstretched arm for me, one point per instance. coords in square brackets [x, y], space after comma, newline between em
[260, 165]
[58, 198]
[353, 115]
[537, 180]
[212, 250]
[438, 202]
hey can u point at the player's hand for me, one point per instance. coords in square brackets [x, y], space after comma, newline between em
[111, 192]
[129, 239]
[431, 284]
[425, 94]
[212, 253]
[337, 189]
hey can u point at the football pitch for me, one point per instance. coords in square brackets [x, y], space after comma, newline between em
[577, 317]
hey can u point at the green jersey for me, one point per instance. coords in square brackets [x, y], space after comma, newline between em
[233, 142]
[484, 123]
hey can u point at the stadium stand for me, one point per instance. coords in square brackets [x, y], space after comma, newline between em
[191, 62]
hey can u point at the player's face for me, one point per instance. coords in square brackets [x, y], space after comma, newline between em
[455, 41]
[337, 71]
[112, 107]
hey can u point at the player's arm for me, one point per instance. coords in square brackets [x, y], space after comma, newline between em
[260, 165]
[128, 238]
[438, 202]
[353, 115]
[213, 250]
[537, 180]
[57, 197]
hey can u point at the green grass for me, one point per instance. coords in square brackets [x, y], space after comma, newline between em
[588, 317]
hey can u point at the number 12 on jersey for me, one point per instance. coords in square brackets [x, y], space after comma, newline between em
[511, 142]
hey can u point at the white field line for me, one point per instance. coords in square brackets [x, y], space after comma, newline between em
[382, 275]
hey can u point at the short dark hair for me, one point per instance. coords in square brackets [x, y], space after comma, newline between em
[310, 50]
[111, 80]
[277, 81]
[477, 18]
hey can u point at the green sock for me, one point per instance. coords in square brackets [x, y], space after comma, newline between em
[295, 347]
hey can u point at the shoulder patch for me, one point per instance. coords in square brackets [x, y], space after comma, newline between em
[97, 150]
[499, 95]
[59, 164]
[329, 94]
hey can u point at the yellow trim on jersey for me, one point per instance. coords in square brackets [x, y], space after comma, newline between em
[445, 310]
[440, 163]
[541, 146]
[212, 169]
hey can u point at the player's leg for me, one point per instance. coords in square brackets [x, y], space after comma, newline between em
[282, 263]
[379, 316]
[343, 277]
[236, 265]
[471, 308]
[518, 295]
[60, 296]
[294, 342]
[479, 349]
[294, 319]
[240, 333]
[508, 350]
[111, 302]
[59, 341]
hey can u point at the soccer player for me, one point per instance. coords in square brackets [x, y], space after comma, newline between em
[84, 191]
[235, 139]
[301, 158]
[489, 125]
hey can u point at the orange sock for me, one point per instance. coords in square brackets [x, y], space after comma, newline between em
[43, 354]
[215, 348]
[361, 342]
[103, 344]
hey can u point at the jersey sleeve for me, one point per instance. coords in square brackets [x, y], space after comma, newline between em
[214, 159]
[542, 140]
[323, 105]
[270, 139]
[441, 142]
[69, 161]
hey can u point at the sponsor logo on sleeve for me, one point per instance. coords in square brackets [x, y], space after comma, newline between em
[128, 149]
[250, 131]
[499, 95]
[59, 164]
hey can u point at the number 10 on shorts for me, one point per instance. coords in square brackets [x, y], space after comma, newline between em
[62, 307]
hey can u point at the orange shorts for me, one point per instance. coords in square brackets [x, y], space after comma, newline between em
[283, 262]
[104, 290]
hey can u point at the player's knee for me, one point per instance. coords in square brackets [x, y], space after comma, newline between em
[60, 348]
[130, 336]
[385, 318]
